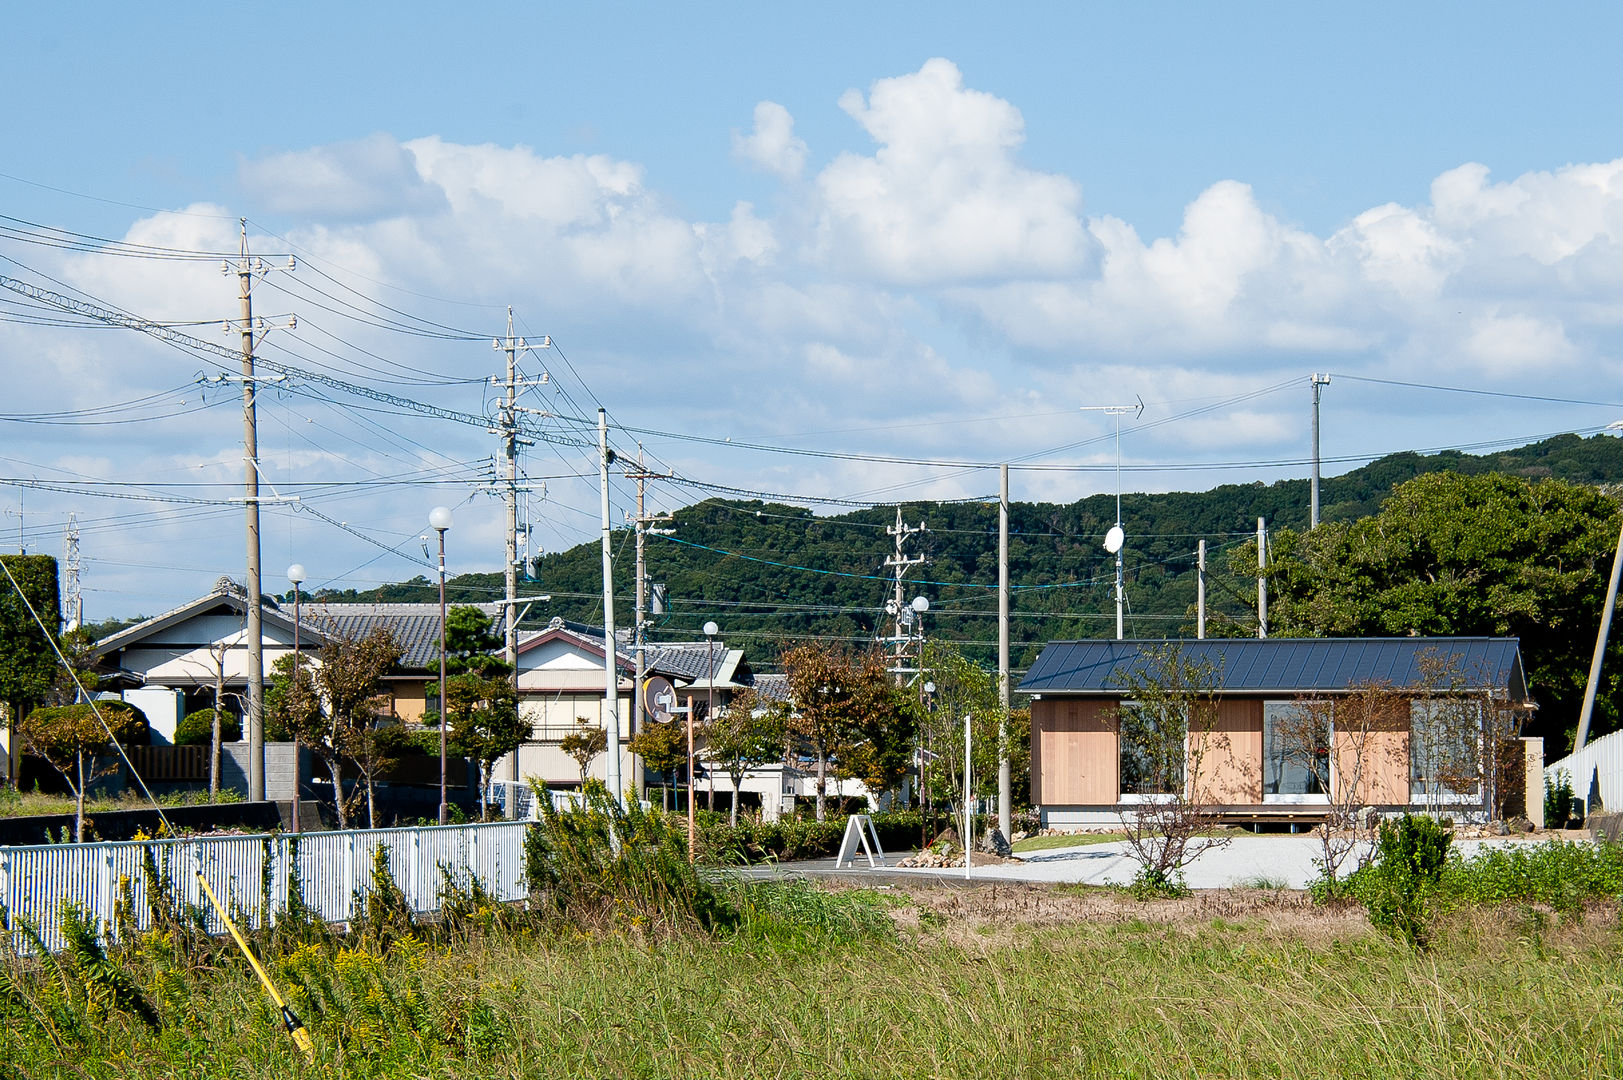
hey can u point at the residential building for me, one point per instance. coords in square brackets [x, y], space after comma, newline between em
[1085, 771]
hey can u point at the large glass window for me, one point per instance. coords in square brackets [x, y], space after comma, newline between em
[1295, 748]
[1445, 735]
[1152, 751]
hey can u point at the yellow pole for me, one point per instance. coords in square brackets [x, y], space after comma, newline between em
[295, 1027]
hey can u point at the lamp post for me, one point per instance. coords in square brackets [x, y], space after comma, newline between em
[295, 574]
[439, 519]
[710, 632]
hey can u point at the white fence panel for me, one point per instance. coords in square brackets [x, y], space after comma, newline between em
[1596, 772]
[250, 874]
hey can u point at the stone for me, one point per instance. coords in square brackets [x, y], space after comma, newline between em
[992, 841]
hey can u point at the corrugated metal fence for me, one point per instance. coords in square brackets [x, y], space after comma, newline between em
[1596, 772]
[250, 874]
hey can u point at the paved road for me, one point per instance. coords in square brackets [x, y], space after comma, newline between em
[1278, 860]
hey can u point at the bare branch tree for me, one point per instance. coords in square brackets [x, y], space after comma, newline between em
[1175, 763]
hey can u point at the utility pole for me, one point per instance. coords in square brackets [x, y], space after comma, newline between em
[75, 602]
[1200, 590]
[611, 667]
[507, 428]
[1600, 649]
[898, 608]
[1319, 383]
[1262, 578]
[1005, 778]
[639, 634]
[246, 268]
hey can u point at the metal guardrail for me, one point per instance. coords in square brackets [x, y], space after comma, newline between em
[250, 874]
[1596, 772]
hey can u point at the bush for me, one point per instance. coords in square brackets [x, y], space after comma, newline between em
[1401, 889]
[197, 728]
[1558, 796]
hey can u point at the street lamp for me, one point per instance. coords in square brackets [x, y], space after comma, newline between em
[710, 632]
[295, 574]
[439, 519]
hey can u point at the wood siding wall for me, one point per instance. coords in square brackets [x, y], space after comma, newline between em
[1074, 752]
[1230, 754]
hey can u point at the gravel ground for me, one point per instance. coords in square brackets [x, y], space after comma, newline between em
[1279, 860]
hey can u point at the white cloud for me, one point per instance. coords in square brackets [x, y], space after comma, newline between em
[773, 144]
[365, 178]
[944, 198]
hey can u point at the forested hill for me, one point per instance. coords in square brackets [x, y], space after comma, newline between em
[769, 573]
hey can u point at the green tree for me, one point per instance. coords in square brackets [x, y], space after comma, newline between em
[485, 721]
[1450, 554]
[73, 738]
[748, 733]
[848, 714]
[664, 749]
[962, 688]
[331, 707]
[481, 696]
[584, 744]
[28, 664]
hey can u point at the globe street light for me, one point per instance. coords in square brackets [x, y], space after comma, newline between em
[295, 574]
[439, 519]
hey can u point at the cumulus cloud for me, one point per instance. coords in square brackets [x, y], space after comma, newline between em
[931, 296]
[944, 197]
[364, 178]
[773, 144]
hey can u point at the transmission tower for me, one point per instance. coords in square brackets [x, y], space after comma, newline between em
[901, 611]
[75, 604]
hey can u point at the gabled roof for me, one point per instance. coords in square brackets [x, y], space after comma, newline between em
[234, 602]
[416, 627]
[1285, 665]
[692, 662]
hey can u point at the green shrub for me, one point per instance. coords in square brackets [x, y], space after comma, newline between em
[788, 839]
[1558, 796]
[1559, 873]
[603, 862]
[1401, 889]
[197, 728]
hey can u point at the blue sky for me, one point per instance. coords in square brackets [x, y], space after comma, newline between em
[904, 230]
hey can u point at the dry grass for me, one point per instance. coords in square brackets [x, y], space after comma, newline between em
[981, 981]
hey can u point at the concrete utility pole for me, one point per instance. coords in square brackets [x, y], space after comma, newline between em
[1262, 578]
[507, 428]
[898, 608]
[1319, 383]
[1005, 778]
[611, 667]
[1200, 590]
[1600, 649]
[640, 632]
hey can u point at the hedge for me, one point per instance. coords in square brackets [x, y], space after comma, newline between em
[790, 838]
[197, 728]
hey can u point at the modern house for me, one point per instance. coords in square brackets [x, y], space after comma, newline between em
[1086, 769]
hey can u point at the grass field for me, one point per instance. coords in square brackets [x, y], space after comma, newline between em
[1046, 843]
[936, 981]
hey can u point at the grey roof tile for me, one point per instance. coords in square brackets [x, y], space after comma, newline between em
[1283, 665]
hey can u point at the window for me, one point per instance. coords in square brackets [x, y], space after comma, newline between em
[1295, 750]
[1445, 734]
[1152, 751]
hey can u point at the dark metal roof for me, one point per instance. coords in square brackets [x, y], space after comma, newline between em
[1284, 665]
[416, 627]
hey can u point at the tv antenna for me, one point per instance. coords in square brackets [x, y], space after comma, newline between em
[1116, 538]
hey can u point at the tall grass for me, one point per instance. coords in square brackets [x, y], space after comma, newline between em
[1092, 1000]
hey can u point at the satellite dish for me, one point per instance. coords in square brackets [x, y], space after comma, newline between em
[1114, 539]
